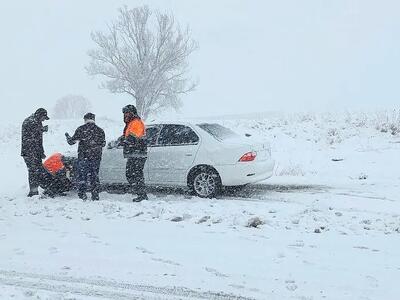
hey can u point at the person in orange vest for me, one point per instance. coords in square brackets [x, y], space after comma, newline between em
[59, 175]
[135, 150]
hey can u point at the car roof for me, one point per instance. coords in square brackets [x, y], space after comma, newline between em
[180, 122]
[176, 122]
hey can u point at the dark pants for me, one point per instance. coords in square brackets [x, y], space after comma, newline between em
[37, 175]
[135, 176]
[88, 175]
[59, 183]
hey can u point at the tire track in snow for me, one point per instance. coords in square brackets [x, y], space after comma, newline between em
[105, 288]
[65, 289]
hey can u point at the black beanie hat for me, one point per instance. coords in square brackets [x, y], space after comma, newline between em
[89, 116]
[41, 112]
[130, 109]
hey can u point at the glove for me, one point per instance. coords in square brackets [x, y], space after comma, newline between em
[120, 141]
[45, 128]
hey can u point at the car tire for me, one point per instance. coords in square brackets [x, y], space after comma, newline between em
[204, 182]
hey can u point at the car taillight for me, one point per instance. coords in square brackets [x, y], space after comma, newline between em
[249, 156]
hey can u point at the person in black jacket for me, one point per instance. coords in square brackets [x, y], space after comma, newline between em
[91, 140]
[135, 150]
[32, 149]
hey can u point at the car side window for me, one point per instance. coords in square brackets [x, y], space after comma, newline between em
[152, 135]
[177, 135]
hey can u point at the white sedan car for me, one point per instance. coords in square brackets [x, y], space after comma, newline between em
[203, 157]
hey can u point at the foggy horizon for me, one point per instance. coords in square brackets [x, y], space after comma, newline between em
[285, 56]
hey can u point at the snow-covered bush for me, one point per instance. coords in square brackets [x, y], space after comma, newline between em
[71, 107]
[333, 136]
[388, 122]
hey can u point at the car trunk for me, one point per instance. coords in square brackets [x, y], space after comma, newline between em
[244, 145]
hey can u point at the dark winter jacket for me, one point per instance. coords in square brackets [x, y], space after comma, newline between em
[133, 138]
[91, 140]
[32, 138]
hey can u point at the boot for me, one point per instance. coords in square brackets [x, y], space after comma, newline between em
[140, 198]
[82, 196]
[33, 192]
[95, 196]
[49, 193]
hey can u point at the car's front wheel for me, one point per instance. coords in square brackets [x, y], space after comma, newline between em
[205, 182]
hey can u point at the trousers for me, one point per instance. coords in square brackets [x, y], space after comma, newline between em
[135, 175]
[88, 175]
[37, 175]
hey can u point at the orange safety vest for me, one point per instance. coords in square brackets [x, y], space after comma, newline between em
[54, 163]
[135, 127]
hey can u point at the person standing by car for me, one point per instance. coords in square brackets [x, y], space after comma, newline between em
[135, 150]
[91, 140]
[32, 149]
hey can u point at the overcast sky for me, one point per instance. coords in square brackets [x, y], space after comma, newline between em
[254, 55]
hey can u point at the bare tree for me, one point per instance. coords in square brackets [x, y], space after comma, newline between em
[145, 55]
[71, 107]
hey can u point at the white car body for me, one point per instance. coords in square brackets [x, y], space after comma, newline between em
[170, 164]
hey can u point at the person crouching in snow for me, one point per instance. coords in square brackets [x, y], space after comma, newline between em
[91, 140]
[59, 170]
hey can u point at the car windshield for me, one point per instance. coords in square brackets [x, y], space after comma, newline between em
[218, 131]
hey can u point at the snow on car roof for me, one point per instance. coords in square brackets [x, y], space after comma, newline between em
[177, 122]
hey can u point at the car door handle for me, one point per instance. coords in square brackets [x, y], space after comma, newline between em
[188, 154]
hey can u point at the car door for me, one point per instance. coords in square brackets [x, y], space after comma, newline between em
[173, 154]
[113, 164]
[152, 133]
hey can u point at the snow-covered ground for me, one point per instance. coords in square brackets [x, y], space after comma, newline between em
[331, 223]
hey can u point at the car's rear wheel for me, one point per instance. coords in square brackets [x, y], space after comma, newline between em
[205, 182]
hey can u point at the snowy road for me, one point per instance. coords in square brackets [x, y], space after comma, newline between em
[317, 242]
[102, 288]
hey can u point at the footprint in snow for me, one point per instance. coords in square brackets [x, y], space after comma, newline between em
[281, 255]
[29, 293]
[237, 286]
[297, 244]
[291, 285]
[165, 261]
[215, 272]
[91, 236]
[53, 250]
[373, 282]
[144, 250]
[19, 251]
[361, 247]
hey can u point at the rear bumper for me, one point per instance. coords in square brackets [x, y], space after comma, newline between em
[245, 172]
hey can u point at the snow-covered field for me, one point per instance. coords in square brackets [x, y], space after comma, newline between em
[330, 223]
